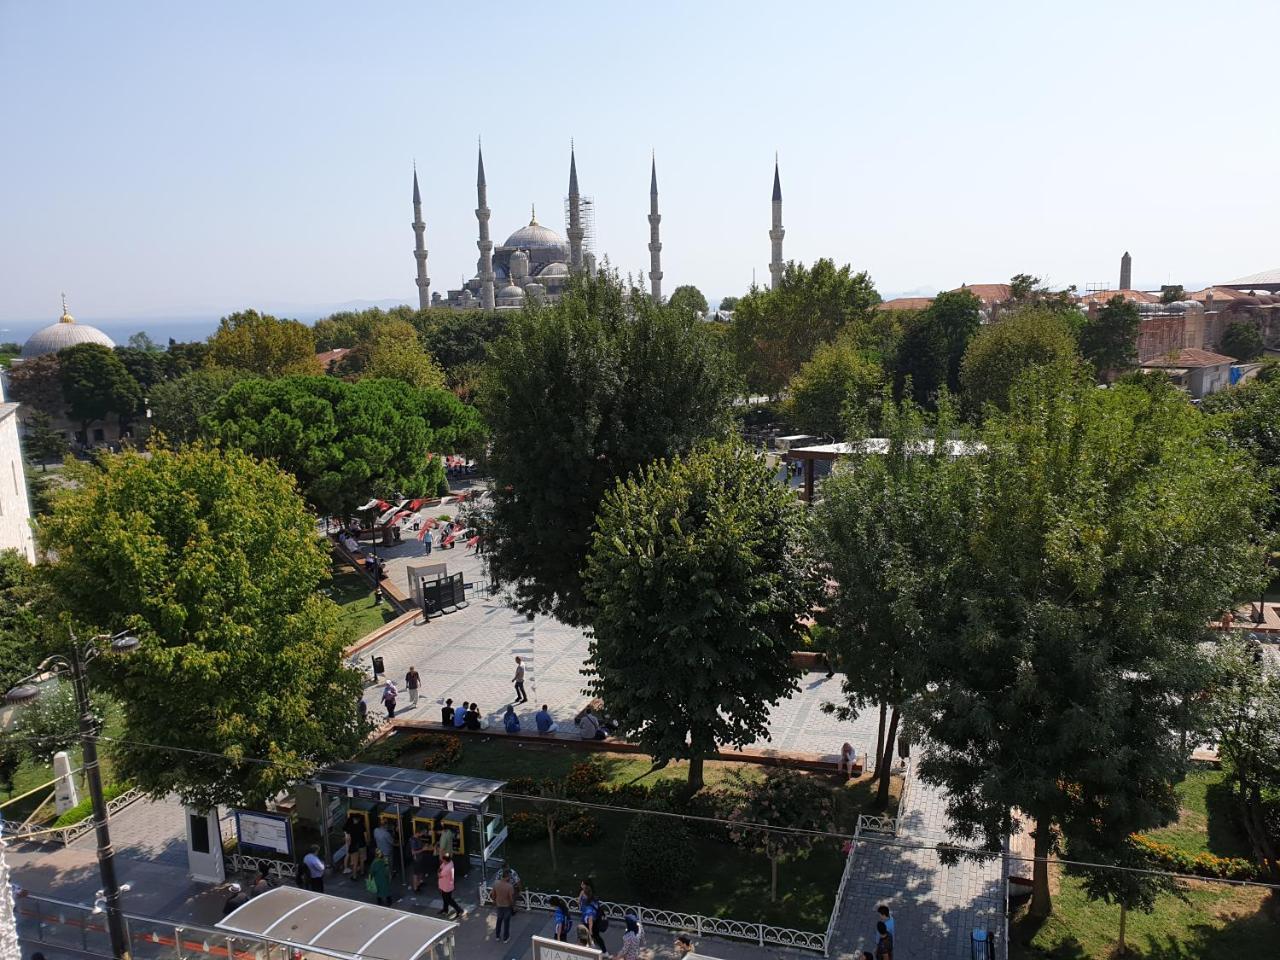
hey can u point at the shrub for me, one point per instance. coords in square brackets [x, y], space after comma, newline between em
[524, 786]
[84, 808]
[443, 750]
[1201, 864]
[654, 856]
[581, 831]
[584, 780]
[525, 826]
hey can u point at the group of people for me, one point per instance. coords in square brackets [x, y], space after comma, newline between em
[465, 716]
[430, 857]
[884, 936]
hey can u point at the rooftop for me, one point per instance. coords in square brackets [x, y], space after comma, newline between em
[1188, 358]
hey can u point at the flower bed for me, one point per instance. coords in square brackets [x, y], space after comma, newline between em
[1200, 864]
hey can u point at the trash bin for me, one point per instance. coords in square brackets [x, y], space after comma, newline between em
[981, 945]
[379, 667]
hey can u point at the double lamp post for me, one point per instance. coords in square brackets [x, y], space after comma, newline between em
[27, 690]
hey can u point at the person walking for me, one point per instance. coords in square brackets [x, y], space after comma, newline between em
[411, 682]
[504, 900]
[389, 698]
[594, 920]
[884, 942]
[518, 682]
[313, 868]
[379, 879]
[357, 844]
[444, 880]
[883, 914]
[632, 939]
[562, 920]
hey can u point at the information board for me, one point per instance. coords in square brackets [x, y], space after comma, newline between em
[443, 595]
[264, 831]
[547, 949]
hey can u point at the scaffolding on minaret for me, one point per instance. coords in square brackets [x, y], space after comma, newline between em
[587, 211]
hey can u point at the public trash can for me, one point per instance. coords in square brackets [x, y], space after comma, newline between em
[981, 945]
[379, 667]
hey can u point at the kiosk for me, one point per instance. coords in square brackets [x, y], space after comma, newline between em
[419, 800]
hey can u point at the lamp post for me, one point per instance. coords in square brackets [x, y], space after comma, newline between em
[26, 691]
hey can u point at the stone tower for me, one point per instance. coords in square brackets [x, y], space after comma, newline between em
[575, 231]
[776, 233]
[1126, 272]
[420, 246]
[485, 264]
[655, 245]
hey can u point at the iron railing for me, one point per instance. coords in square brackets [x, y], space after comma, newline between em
[74, 831]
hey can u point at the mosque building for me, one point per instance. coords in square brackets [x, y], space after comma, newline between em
[535, 263]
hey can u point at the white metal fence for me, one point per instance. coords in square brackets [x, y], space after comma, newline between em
[74, 831]
[760, 933]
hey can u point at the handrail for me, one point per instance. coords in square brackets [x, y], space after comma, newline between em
[844, 880]
[758, 933]
[73, 831]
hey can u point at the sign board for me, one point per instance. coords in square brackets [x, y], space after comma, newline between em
[264, 831]
[547, 949]
[416, 573]
[204, 846]
[495, 843]
[443, 595]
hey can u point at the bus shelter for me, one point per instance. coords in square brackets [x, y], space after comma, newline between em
[409, 802]
[319, 925]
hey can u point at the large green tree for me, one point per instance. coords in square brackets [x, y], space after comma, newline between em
[1242, 340]
[1109, 336]
[889, 533]
[42, 442]
[37, 384]
[1004, 351]
[96, 385]
[696, 583]
[688, 297]
[347, 441]
[775, 331]
[1248, 416]
[838, 385]
[262, 344]
[392, 349]
[212, 558]
[933, 344]
[1107, 527]
[577, 395]
[178, 404]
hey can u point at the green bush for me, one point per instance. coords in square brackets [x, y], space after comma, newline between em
[84, 808]
[1201, 864]
[525, 826]
[654, 856]
[581, 831]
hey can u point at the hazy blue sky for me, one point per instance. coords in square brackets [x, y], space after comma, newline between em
[170, 158]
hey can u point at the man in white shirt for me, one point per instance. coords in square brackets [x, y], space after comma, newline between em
[313, 867]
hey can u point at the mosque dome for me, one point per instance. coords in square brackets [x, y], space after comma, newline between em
[556, 269]
[510, 296]
[65, 333]
[534, 236]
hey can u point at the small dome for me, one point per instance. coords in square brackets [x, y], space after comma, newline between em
[556, 269]
[511, 292]
[65, 333]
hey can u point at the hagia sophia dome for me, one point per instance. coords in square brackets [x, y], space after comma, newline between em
[65, 333]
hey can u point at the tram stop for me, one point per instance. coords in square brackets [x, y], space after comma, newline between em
[307, 924]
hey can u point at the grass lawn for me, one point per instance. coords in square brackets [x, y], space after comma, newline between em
[354, 597]
[1240, 923]
[732, 882]
[1204, 822]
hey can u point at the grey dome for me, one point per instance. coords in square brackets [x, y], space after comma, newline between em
[556, 269]
[511, 292]
[58, 336]
[535, 236]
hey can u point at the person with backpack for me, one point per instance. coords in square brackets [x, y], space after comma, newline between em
[596, 922]
[562, 921]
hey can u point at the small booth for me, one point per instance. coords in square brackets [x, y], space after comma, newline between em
[420, 801]
[317, 925]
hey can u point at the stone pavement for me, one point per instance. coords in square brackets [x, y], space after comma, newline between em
[935, 907]
[470, 655]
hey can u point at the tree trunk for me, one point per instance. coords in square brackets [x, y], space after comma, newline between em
[695, 773]
[1041, 902]
[1124, 915]
[885, 765]
[773, 879]
[880, 736]
[551, 841]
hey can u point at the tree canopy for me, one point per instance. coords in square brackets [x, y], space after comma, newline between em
[177, 405]
[775, 331]
[1109, 336]
[345, 442]
[576, 395]
[1003, 352]
[259, 343]
[838, 385]
[933, 343]
[1242, 340]
[212, 558]
[1107, 527]
[696, 584]
[392, 350]
[688, 297]
[37, 383]
[96, 385]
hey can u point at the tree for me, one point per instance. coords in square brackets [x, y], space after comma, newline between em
[147, 367]
[345, 442]
[37, 384]
[775, 331]
[177, 405]
[182, 358]
[728, 304]
[1244, 715]
[688, 297]
[1109, 336]
[1242, 341]
[696, 583]
[261, 344]
[838, 385]
[889, 534]
[212, 558]
[782, 798]
[460, 338]
[22, 599]
[1248, 417]
[934, 343]
[142, 341]
[1107, 527]
[1002, 352]
[96, 385]
[42, 442]
[392, 350]
[576, 395]
[1172, 293]
[1028, 291]
[1120, 880]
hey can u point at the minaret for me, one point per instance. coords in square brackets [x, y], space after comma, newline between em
[575, 231]
[420, 246]
[776, 233]
[1126, 272]
[655, 245]
[485, 265]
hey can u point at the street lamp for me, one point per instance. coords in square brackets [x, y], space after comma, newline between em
[26, 691]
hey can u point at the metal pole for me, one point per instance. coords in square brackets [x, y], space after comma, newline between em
[106, 854]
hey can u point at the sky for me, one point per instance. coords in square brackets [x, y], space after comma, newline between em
[167, 160]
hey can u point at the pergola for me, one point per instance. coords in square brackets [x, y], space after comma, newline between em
[328, 926]
[872, 445]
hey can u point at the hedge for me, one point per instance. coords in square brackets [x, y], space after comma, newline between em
[84, 809]
[1201, 864]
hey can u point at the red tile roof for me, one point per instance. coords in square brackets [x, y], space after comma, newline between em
[1132, 296]
[989, 293]
[330, 357]
[906, 303]
[1190, 357]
